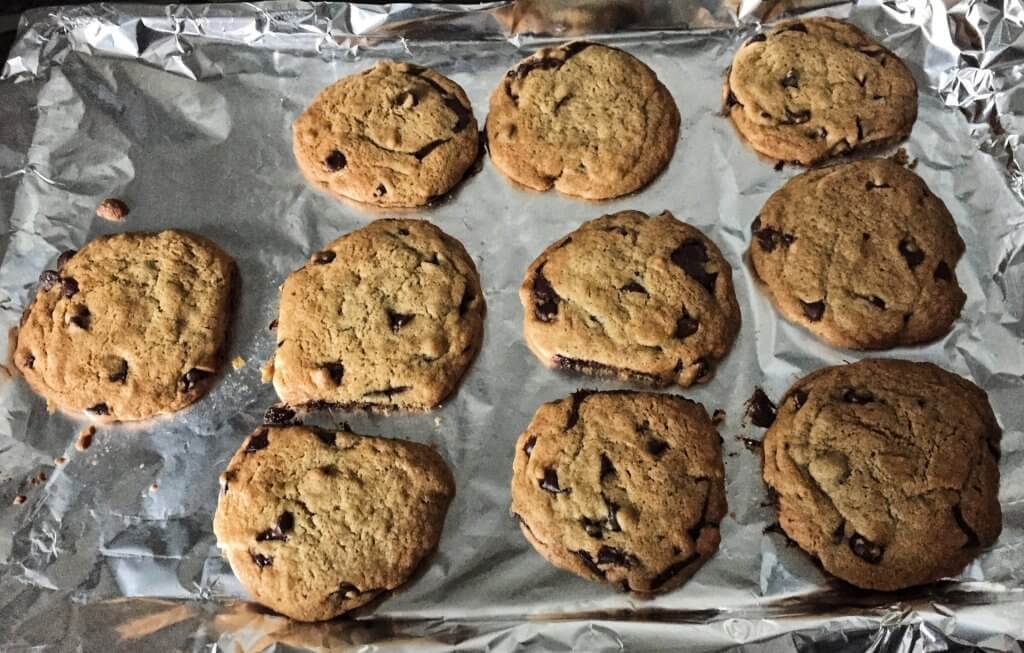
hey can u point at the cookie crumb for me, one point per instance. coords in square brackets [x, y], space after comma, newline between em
[85, 438]
[760, 409]
[267, 372]
[718, 417]
[59, 460]
[112, 209]
[238, 362]
[901, 157]
[20, 499]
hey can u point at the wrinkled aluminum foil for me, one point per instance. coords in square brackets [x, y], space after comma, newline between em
[185, 113]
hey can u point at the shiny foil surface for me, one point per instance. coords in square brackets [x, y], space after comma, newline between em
[186, 112]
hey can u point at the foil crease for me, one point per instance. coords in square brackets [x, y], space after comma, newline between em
[185, 113]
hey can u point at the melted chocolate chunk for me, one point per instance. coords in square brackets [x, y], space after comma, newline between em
[119, 375]
[588, 562]
[943, 272]
[909, 250]
[799, 398]
[422, 153]
[398, 320]
[68, 287]
[852, 396]
[531, 442]
[278, 415]
[48, 279]
[760, 409]
[336, 371]
[193, 377]
[769, 238]
[796, 117]
[550, 483]
[99, 409]
[792, 79]
[839, 532]
[818, 134]
[607, 469]
[28, 361]
[466, 301]
[63, 259]
[380, 191]
[686, 326]
[730, 101]
[279, 531]
[260, 559]
[877, 301]
[865, 549]
[330, 438]
[335, 161]
[324, 257]
[610, 555]
[594, 528]
[578, 398]
[656, 447]
[813, 310]
[672, 570]
[633, 286]
[545, 299]
[81, 318]
[258, 440]
[972, 536]
[692, 257]
[345, 591]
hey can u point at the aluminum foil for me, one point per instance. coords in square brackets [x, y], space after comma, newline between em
[185, 113]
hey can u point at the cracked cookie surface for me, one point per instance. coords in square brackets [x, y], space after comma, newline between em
[862, 254]
[387, 316]
[316, 523]
[815, 88]
[589, 120]
[621, 487]
[646, 299]
[129, 327]
[886, 471]
[394, 135]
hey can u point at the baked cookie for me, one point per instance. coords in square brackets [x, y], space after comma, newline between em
[861, 254]
[568, 17]
[317, 523]
[642, 298]
[886, 471]
[393, 135]
[130, 327]
[621, 487]
[590, 120]
[815, 88]
[388, 316]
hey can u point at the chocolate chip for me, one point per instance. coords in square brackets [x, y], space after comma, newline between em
[796, 117]
[943, 272]
[760, 409]
[545, 299]
[422, 153]
[550, 482]
[853, 396]
[610, 555]
[703, 369]
[81, 318]
[531, 442]
[972, 536]
[279, 531]
[839, 532]
[730, 100]
[607, 469]
[686, 326]
[273, 325]
[819, 133]
[813, 310]
[335, 161]
[877, 301]
[467, 299]
[63, 259]
[278, 415]
[398, 320]
[865, 549]
[792, 79]
[909, 250]
[119, 375]
[578, 398]
[330, 438]
[402, 231]
[594, 528]
[193, 377]
[98, 409]
[799, 398]
[769, 238]
[345, 591]
[795, 27]
[588, 562]
[68, 287]
[28, 361]
[692, 257]
[380, 191]
[258, 440]
[656, 447]
[672, 570]
[779, 165]
[260, 559]
[633, 286]
[758, 38]
[322, 258]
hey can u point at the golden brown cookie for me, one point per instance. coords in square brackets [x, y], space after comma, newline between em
[641, 298]
[393, 135]
[388, 316]
[622, 487]
[130, 327]
[815, 88]
[886, 471]
[590, 120]
[316, 523]
[862, 254]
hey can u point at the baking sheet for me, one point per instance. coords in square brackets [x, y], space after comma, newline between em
[185, 113]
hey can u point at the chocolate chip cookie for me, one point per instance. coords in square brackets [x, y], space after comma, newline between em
[316, 523]
[862, 254]
[647, 299]
[388, 316]
[621, 487]
[131, 326]
[394, 135]
[815, 88]
[590, 120]
[886, 471]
